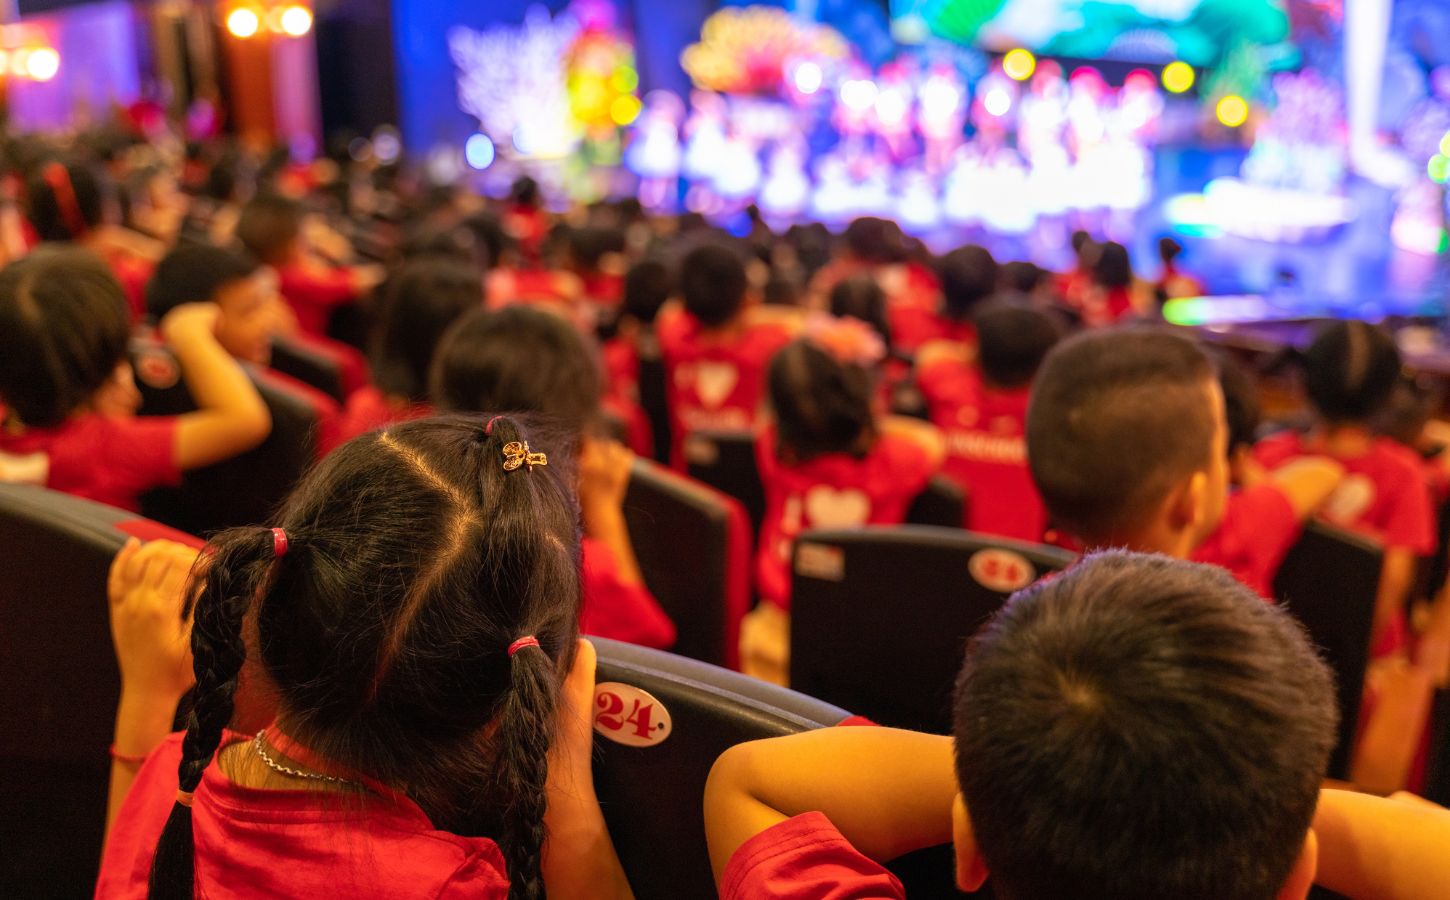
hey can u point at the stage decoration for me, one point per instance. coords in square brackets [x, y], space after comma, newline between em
[749, 50]
[245, 21]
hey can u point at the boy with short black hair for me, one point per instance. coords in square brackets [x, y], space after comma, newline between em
[251, 310]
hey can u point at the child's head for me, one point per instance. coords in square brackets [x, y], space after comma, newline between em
[421, 302]
[1126, 439]
[1140, 727]
[1168, 250]
[1084, 249]
[519, 359]
[1113, 269]
[713, 284]
[246, 292]
[1012, 341]
[412, 561]
[64, 202]
[874, 240]
[968, 276]
[64, 329]
[860, 297]
[270, 228]
[821, 405]
[1407, 412]
[1349, 372]
[1021, 277]
[647, 285]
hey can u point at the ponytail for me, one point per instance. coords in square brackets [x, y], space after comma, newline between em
[234, 571]
[526, 731]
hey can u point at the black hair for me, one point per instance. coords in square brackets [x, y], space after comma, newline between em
[64, 201]
[821, 405]
[968, 276]
[1117, 418]
[1350, 370]
[713, 284]
[1081, 243]
[422, 300]
[519, 359]
[1141, 727]
[1240, 402]
[875, 240]
[860, 297]
[525, 191]
[414, 561]
[1411, 405]
[193, 273]
[64, 328]
[1022, 277]
[647, 285]
[1113, 268]
[1169, 249]
[1012, 341]
[780, 290]
[491, 235]
[268, 225]
[589, 245]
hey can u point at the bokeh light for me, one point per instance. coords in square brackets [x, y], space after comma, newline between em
[1232, 110]
[808, 77]
[997, 102]
[296, 20]
[479, 151]
[1019, 64]
[43, 64]
[243, 22]
[625, 109]
[1439, 168]
[1178, 77]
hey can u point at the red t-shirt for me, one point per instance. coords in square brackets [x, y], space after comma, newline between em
[805, 858]
[1258, 528]
[278, 843]
[619, 610]
[369, 409]
[109, 460]
[833, 491]
[134, 274]
[314, 292]
[713, 382]
[985, 430]
[912, 327]
[1383, 494]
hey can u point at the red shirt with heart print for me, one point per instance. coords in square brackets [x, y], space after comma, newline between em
[715, 381]
[833, 491]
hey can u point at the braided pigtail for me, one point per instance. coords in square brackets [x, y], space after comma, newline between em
[234, 571]
[526, 730]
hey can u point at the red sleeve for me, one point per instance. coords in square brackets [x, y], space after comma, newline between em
[908, 465]
[1258, 528]
[141, 453]
[1410, 520]
[126, 863]
[805, 858]
[616, 609]
[322, 287]
[671, 329]
[946, 383]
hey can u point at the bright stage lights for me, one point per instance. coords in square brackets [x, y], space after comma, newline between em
[1178, 77]
[1232, 111]
[479, 151]
[859, 94]
[997, 102]
[1019, 64]
[808, 78]
[1445, 144]
[1439, 168]
[625, 109]
[296, 20]
[43, 64]
[891, 107]
[243, 23]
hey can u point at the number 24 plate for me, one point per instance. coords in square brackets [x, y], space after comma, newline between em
[629, 716]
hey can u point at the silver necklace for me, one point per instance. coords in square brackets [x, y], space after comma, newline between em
[295, 773]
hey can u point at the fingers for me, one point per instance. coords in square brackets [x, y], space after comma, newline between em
[579, 686]
[116, 581]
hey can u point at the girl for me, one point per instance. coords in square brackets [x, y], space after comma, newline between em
[70, 400]
[827, 461]
[525, 359]
[419, 304]
[413, 621]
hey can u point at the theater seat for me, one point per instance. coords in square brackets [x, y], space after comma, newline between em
[943, 504]
[1437, 761]
[725, 460]
[1329, 581]
[693, 546]
[58, 704]
[880, 616]
[247, 489]
[652, 398]
[330, 367]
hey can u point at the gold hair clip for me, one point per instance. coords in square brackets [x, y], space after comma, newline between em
[516, 453]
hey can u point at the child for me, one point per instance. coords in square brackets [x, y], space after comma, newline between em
[418, 305]
[251, 313]
[1137, 727]
[524, 359]
[647, 286]
[1172, 282]
[826, 461]
[411, 562]
[968, 276]
[716, 348]
[1112, 295]
[271, 228]
[69, 397]
[1127, 442]
[982, 411]
[1349, 371]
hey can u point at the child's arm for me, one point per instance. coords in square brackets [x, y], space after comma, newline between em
[579, 859]
[1307, 483]
[1397, 579]
[923, 433]
[933, 352]
[1372, 848]
[889, 792]
[604, 467]
[153, 650]
[231, 417]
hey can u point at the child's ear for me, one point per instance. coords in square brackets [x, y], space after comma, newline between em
[971, 868]
[1188, 503]
[1301, 877]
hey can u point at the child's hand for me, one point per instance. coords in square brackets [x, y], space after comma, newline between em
[571, 755]
[147, 591]
[186, 321]
[604, 467]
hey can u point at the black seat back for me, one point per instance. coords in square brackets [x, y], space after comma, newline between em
[244, 490]
[652, 398]
[693, 546]
[725, 460]
[311, 366]
[880, 617]
[1329, 581]
[58, 705]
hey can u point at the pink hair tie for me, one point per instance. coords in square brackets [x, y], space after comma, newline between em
[488, 429]
[279, 543]
[521, 643]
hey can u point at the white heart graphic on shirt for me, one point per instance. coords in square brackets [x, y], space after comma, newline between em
[714, 381]
[1350, 500]
[827, 507]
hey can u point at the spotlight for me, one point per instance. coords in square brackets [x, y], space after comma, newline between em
[243, 22]
[42, 64]
[296, 20]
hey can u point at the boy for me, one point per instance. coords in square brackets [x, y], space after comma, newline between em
[717, 347]
[1138, 727]
[982, 410]
[252, 313]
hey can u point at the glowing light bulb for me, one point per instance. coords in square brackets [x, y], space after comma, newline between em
[42, 64]
[296, 20]
[243, 22]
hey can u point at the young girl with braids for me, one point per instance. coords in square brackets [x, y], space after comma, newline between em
[413, 626]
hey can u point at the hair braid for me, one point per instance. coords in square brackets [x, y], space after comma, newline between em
[525, 734]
